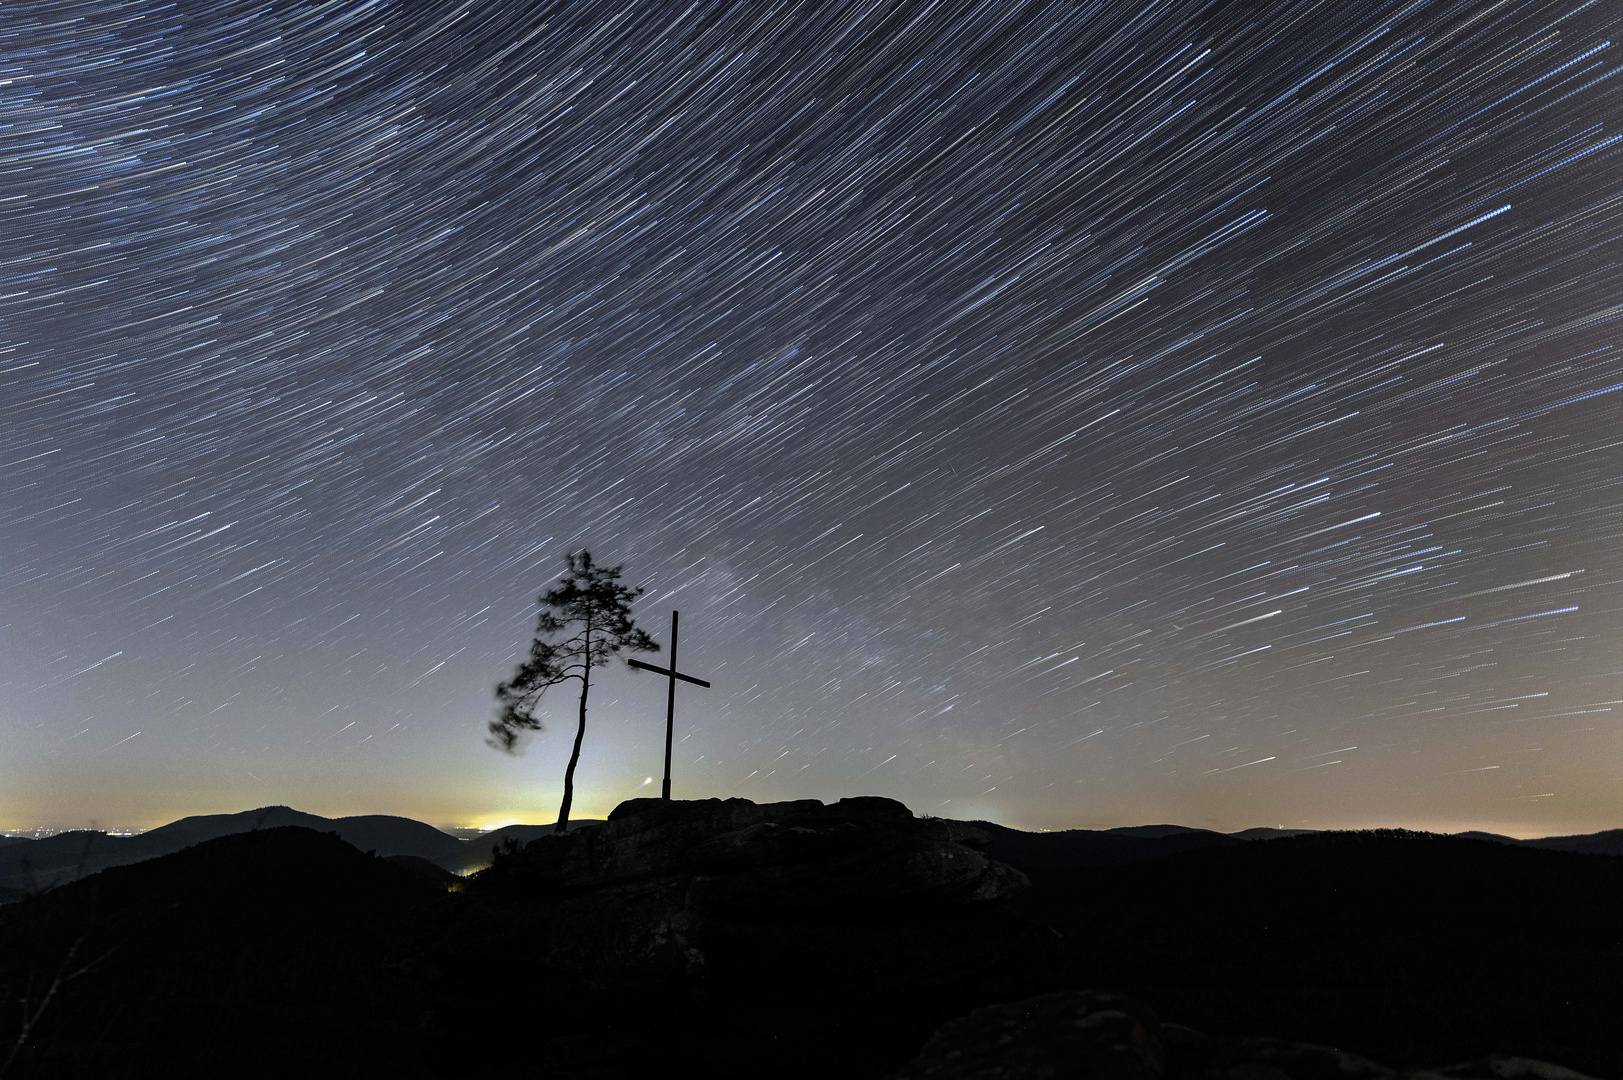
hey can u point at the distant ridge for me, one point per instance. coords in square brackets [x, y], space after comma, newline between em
[1085, 847]
[480, 851]
[28, 866]
[1497, 838]
[380, 833]
[1270, 834]
[1139, 843]
[1158, 832]
[56, 860]
[1609, 842]
[421, 868]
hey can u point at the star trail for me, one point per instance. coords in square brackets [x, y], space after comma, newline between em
[1071, 414]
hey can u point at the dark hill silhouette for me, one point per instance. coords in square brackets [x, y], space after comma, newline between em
[1498, 838]
[385, 834]
[477, 852]
[199, 827]
[282, 925]
[1157, 832]
[1411, 948]
[1264, 833]
[1136, 843]
[422, 868]
[799, 940]
[63, 857]
[66, 857]
[1609, 842]
[28, 866]
[388, 835]
[1085, 847]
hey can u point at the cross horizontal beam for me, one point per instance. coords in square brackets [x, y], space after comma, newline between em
[667, 672]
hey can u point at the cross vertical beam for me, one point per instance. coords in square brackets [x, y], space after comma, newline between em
[670, 699]
[670, 713]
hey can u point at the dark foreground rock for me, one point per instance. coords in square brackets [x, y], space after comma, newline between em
[256, 954]
[771, 914]
[1410, 949]
[797, 940]
[690, 890]
[1096, 1035]
[740, 855]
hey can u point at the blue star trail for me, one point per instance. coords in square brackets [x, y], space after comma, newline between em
[1065, 413]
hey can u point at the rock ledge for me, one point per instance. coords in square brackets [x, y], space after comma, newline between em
[731, 893]
[1100, 1035]
[734, 853]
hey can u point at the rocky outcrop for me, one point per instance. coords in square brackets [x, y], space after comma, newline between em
[740, 854]
[1107, 1036]
[717, 891]
[1096, 1035]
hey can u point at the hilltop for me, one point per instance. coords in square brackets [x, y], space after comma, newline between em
[735, 938]
[28, 866]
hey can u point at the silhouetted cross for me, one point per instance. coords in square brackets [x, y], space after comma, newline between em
[670, 699]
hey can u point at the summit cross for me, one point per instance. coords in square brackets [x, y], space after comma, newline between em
[670, 699]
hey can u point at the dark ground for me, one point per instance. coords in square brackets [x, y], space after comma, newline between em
[1407, 950]
[290, 953]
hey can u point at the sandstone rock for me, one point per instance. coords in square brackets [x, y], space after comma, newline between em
[1106, 1036]
[1508, 1067]
[729, 891]
[1273, 1059]
[779, 856]
[1066, 1036]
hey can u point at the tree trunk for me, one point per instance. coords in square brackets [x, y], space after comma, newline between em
[580, 733]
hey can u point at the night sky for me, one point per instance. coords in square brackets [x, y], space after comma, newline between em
[1070, 414]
